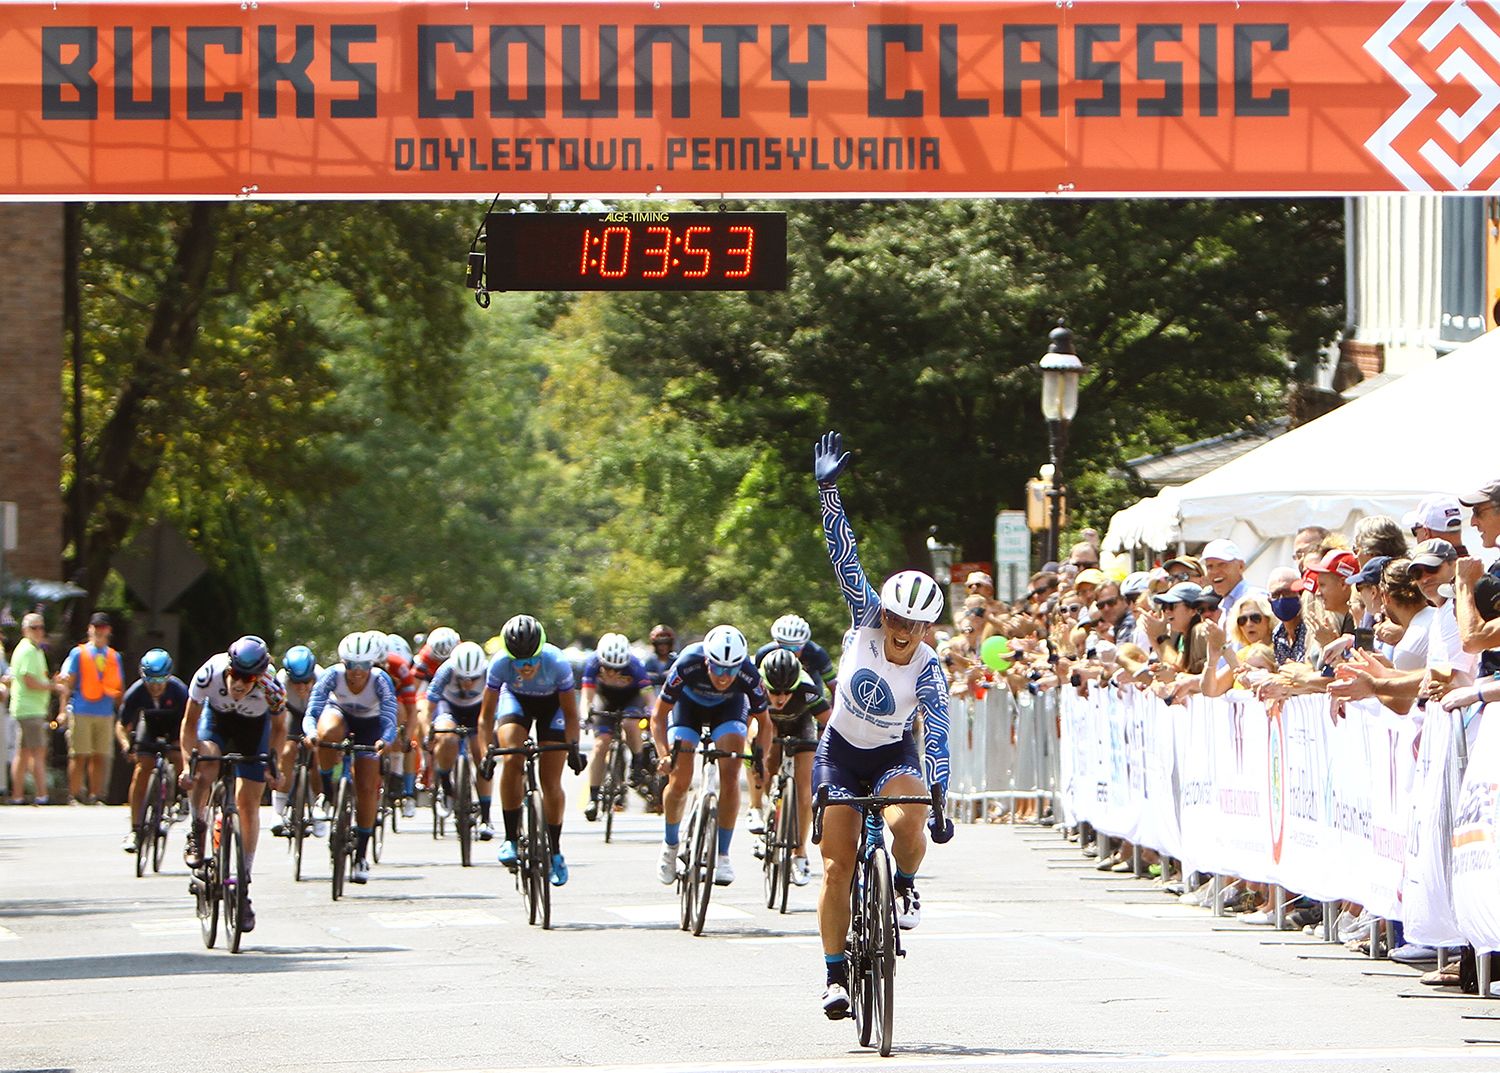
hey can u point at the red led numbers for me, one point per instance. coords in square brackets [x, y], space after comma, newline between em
[663, 252]
[746, 250]
[688, 250]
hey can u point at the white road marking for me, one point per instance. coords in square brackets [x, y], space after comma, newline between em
[167, 926]
[409, 919]
[1164, 911]
[1429, 1057]
[7, 936]
[670, 913]
[925, 936]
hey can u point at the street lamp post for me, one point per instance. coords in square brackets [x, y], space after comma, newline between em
[1060, 372]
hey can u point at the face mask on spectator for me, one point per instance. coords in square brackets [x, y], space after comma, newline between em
[1286, 608]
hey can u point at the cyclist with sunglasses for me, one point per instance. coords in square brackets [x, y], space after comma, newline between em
[529, 690]
[887, 677]
[152, 708]
[453, 699]
[355, 698]
[663, 654]
[710, 688]
[616, 693]
[799, 708]
[234, 706]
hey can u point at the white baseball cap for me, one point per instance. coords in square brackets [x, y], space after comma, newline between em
[1440, 513]
[1226, 551]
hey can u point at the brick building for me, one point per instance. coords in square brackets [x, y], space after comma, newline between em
[31, 355]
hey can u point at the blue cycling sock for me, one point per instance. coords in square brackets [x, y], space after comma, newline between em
[725, 834]
[409, 784]
[484, 810]
[904, 880]
[838, 968]
[361, 841]
[672, 834]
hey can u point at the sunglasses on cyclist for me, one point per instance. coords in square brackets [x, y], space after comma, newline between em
[468, 679]
[1254, 617]
[241, 676]
[358, 665]
[720, 670]
[896, 622]
[528, 663]
[154, 680]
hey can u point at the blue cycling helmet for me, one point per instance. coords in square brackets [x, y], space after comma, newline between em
[156, 664]
[299, 663]
[249, 656]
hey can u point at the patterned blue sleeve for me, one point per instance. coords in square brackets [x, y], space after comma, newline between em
[843, 552]
[439, 683]
[591, 669]
[318, 701]
[385, 689]
[932, 698]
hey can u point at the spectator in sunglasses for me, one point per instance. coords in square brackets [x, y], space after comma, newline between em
[1248, 624]
[1183, 568]
[1116, 621]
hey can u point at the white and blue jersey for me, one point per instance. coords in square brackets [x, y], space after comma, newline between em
[616, 688]
[377, 700]
[688, 679]
[446, 690]
[877, 701]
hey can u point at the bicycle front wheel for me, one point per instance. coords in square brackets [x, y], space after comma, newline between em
[539, 859]
[770, 857]
[158, 803]
[705, 856]
[297, 817]
[463, 808]
[144, 826]
[687, 878]
[880, 930]
[377, 833]
[786, 839]
[341, 838]
[206, 886]
[612, 795]
[236, 882]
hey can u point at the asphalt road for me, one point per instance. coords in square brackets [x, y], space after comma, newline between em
[1026, 958]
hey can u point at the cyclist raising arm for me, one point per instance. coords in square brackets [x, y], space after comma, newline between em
[887, 676]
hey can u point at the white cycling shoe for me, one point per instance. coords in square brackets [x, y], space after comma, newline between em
[666, 868]
[908, 908]
[723, 871]
[757, 821]
[801, 872]
[835, 1002]
[408, 808]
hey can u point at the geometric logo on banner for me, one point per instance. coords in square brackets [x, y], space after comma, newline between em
[1276, 778]
[1446, 134]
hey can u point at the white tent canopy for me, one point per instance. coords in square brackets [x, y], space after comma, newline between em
[1379, 454]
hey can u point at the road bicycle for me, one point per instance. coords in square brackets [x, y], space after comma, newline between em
[160, 808]
[223, 881]
[783, 825]
[463, 806]
[301, 799]
[342, 839]
[388, 809]
[533, 848]
[699, 850]
[874, 941]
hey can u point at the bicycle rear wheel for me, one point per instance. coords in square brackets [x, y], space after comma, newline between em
[341, 838]
[786, 838]
[880, 930]
[539, 853]
[770, 857]
[705, 856]
[377, 833]
[463, 807]
[612, 794]
[236, 882]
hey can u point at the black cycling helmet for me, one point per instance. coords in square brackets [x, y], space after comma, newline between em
[663, 632]
[781, 670]
[523, 637]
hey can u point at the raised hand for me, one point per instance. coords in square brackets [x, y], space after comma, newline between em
[829, 458]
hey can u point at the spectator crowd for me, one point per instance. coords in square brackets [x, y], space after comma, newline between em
[1397, 610]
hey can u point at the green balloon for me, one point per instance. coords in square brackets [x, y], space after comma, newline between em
[995, 652]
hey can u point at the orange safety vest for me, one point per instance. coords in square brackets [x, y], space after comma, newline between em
[94, 684]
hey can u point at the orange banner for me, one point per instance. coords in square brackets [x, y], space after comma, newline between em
[713, 98]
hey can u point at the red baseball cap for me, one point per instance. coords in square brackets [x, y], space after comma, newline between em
[1342, 563]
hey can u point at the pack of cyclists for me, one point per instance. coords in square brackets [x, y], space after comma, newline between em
[875, 723]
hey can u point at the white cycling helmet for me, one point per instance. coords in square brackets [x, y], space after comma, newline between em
[614, 650]
[791, 630]
[358, 647]
[378, 644]
[442, 641]
[725, 646]
[395, 643]
[469, 660]
[912, 594]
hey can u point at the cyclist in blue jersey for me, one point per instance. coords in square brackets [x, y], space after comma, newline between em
[531, 682]
[299, 673]
[616, 692]
[712, 686]
[152, 709]
[887, 677]
[355, 698]
[663, 655]
[454, 698]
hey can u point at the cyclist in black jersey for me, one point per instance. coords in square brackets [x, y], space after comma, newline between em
[663, 655]
[799, 708]
[152, 708]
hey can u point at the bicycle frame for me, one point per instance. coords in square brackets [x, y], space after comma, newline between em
[533, 851]
[211, 882]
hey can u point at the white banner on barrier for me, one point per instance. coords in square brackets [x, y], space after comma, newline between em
[1426, 887]
[1476, 842]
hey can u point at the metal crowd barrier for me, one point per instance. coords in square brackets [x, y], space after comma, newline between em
[1002, 750]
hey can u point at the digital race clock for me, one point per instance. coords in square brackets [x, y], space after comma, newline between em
[636, 251]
